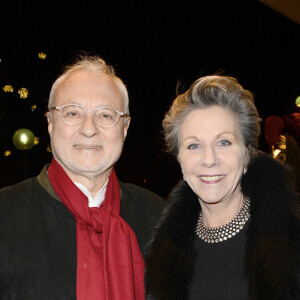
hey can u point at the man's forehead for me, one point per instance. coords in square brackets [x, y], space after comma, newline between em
[81, 87]
[85, 76]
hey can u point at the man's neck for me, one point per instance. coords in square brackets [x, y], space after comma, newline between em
[93, 201]
[91, 181]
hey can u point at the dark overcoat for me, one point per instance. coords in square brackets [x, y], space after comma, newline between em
[272, 259]
[38, 255]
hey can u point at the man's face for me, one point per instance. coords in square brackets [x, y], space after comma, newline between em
[87, 150]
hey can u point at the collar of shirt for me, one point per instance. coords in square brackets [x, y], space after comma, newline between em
[99, 197]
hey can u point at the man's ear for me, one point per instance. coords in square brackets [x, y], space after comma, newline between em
[126, 126]
[50, 123]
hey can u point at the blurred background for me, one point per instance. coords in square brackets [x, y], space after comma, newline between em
[155, 47]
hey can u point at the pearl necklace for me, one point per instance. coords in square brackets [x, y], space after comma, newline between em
[227, 231]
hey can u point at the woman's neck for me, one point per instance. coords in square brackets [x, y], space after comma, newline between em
[221, 213]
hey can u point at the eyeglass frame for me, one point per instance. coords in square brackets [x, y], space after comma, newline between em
[60, 108]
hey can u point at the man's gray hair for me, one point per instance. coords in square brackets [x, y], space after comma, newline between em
[90, 63]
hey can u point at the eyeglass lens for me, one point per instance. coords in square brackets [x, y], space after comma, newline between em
[75, 115]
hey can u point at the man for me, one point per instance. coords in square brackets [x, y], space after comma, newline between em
[75, 231]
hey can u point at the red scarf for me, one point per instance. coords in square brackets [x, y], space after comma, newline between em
[109, 262]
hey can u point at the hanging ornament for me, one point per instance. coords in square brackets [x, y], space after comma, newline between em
[298, 101]
[23, 93]
[8, 89]
[42, 55]
[23, 139]
[33, 107]
[36, 141]
[7, 153]
[49, 149]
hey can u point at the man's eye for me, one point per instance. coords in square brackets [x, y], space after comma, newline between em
[224, 143]
[106, 116]
[72, 114]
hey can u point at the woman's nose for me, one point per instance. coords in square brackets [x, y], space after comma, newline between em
[209, 158]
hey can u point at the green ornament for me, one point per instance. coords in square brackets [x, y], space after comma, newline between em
[23, 139]
[298, 101]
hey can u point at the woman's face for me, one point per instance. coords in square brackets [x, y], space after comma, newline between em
[212, 155]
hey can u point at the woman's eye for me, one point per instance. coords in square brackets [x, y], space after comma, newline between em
[224, 143]
[193, 146]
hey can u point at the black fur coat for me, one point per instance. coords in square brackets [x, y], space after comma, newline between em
[272, 257]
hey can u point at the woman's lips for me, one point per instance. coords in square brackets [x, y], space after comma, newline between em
[210, 179]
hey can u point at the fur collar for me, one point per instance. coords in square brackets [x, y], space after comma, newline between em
[273, 237]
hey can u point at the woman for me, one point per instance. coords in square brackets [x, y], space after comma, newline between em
[231, 229]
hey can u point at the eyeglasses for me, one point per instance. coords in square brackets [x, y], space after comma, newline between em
[74, 114]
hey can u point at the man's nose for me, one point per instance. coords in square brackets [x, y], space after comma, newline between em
[89, 127]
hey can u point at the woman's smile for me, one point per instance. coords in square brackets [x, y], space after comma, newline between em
[210, 179]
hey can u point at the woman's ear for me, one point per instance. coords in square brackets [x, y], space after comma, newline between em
[178, 159]
[246, 158]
